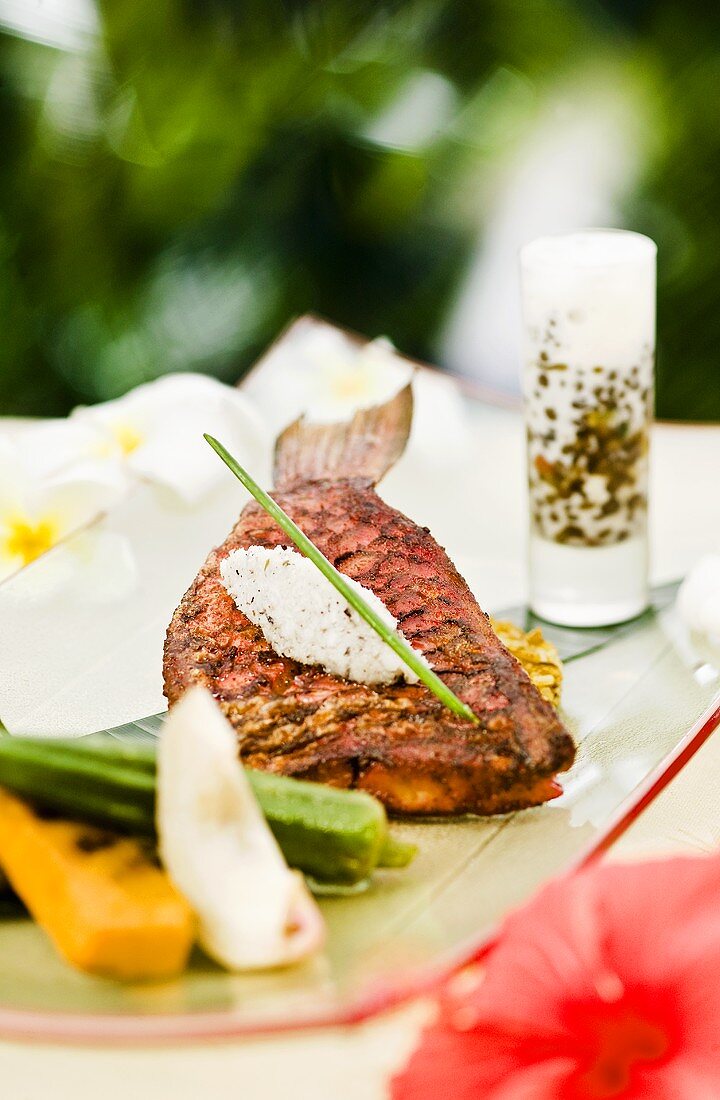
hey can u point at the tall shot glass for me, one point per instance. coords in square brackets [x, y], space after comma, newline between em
[588, 302]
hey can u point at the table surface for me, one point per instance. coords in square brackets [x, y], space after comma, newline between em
[356, 1062]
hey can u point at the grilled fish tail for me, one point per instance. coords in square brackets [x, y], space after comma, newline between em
[365, 447]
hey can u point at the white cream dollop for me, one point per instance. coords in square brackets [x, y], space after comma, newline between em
[303, 617]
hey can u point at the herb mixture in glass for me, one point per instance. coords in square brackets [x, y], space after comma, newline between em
[587, 434]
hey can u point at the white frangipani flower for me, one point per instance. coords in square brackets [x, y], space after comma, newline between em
[318, 371]
[37, 512]
[155, 432]
[339, 384]
[157, 429]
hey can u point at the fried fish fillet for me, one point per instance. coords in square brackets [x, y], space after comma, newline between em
[396, 741]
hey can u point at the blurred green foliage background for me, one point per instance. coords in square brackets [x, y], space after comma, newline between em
[178, 178]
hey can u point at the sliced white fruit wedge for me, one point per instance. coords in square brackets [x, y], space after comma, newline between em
[253, 911]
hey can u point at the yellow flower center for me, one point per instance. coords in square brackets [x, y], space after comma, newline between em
[28, 539]
[351, 384]
[127, 437]
[122, 436]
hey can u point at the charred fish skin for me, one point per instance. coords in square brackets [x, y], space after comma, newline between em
[398, 741]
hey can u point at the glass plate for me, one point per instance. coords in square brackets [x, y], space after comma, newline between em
[639, 703]
[640, 700]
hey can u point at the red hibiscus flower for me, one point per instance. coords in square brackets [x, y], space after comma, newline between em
[606, 985]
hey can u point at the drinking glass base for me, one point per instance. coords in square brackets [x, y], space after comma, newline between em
[588, 586]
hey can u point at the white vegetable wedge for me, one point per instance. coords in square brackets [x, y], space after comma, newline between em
[253, 911]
